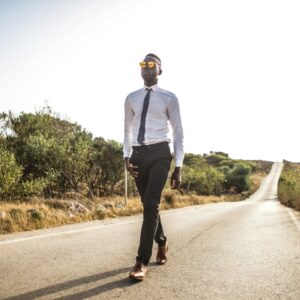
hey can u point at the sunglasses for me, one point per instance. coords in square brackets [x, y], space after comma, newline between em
[149, 64]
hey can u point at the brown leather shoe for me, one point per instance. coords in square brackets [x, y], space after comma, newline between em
[161, 257]
[138, 272]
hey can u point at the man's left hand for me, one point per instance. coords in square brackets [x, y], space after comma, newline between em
[176, 178]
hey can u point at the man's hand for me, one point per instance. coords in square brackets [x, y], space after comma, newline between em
[131, 168]
[176, 178]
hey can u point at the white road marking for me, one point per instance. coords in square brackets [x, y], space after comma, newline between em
[295, 220]
[59, 233]
[101, 226]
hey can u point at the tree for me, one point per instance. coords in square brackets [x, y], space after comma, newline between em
[112, 166]
[238, 178]
[215, 159]
[204, 181]
[48, 148]
[10, 174]
[194, 160]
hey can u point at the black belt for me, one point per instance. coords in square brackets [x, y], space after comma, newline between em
[151, 146]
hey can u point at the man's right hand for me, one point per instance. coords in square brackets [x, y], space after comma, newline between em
[131, 168]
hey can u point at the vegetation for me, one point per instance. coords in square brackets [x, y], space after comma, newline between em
[51, 157]
[289, 185]
[54, 172]
[42, 213]
[216, 174]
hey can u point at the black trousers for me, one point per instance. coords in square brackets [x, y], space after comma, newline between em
[153, 162]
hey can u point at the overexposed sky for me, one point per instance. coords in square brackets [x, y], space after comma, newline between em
[234, 65]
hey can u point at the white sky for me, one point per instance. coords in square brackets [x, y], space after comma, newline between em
[234, 65]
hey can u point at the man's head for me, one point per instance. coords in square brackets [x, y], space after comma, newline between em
[150, 69]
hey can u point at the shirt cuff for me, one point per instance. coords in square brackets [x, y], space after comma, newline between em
[178, 162]
[127, 154]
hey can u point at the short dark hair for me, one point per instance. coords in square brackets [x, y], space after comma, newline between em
[154, 56]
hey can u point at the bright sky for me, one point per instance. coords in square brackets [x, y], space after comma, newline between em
[234, 65]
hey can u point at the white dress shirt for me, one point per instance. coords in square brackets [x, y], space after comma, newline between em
[163, 110]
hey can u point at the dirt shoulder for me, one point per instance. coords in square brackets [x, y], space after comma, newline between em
[38, 213]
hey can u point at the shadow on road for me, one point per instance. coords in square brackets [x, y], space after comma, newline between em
[43, 292]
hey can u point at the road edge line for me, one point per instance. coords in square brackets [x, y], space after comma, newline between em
[293, 217]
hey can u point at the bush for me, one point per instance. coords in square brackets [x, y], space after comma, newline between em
[289, 186]
[33, 187]
[204, 181]
[216, 158]
[10, 174]
[170, 197]
[238, 178]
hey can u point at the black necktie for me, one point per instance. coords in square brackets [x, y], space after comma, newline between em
[141, 135]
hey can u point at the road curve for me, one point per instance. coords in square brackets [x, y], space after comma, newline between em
[241, 250]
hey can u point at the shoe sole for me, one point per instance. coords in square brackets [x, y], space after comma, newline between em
[137, 278]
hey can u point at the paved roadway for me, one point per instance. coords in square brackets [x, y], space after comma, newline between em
[243, 250]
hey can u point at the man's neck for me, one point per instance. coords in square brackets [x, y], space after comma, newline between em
[150, 83]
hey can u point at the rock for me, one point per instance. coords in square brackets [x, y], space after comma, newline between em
[108, 205]
[70, 214]
[119, 205]
[77, 208]
[57, 204]
[101, 207]
[100, 211]
[2, 215]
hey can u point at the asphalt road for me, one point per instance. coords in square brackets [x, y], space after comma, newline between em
[242, 250]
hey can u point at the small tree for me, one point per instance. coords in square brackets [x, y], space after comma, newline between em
[204, 181]
[10, 174]
[238, 178]
[215, 159]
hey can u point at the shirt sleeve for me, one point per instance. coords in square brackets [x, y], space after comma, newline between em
[176, 124]
[127, 149]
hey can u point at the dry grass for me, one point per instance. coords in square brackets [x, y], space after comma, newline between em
[22, 216]
[173, 199]
[289, 185]
[255, 180]
[40, 213]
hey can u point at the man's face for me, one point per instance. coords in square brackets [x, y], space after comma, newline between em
[150, 74]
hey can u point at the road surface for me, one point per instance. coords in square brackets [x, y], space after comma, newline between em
[241, 250]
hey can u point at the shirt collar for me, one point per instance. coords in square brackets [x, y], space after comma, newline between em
[153, 87]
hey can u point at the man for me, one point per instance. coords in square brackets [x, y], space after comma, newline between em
[148, 113]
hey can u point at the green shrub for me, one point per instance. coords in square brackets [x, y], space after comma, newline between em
[10, 174]
[205, 181]
[216, 158]
[32, 187]
[227, 163]
[238, 178]
[289, 186]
